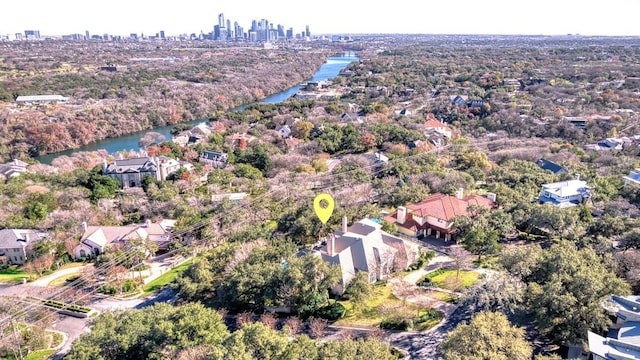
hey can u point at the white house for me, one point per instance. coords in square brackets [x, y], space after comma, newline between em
[12, 169]
[565, 193]
[623, 340]
[365, 247]
[633, 178]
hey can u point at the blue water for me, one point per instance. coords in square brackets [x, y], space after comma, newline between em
[330, 69]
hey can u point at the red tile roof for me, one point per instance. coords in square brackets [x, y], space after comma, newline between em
[446, 207]
[431, 123]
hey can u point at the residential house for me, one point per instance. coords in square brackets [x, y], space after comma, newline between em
[130, 172]
[623, 338]
[365, 247]
[41, 99]
[565, 193]
[240, 140]
[633, 178]
[549, 165]
[437, 126]
[96, 239]
[12, 169]
[284, 131]
[608, 144]
[216, 159]
[16, 245]
[578, 122]
[434, 215]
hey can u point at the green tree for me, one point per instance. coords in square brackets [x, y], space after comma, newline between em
[566, 291]
[488, 336]
[481, 242]
[151, 333]
[359, 290]
[247, 171]
[301, 129]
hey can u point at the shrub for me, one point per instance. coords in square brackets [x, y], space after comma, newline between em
[331, 312]
[395, 323]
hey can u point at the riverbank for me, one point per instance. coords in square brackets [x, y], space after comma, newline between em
[330, 69]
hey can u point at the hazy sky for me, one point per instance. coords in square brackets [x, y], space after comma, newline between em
[121, 17]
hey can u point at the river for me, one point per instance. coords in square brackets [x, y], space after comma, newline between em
[330, 69]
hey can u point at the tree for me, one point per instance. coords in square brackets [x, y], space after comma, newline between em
[565, 292]
[500, 292]
[359, 290]
[461, 258]
[488, 336]
[481, 242]
[301, 129]
[151, 333]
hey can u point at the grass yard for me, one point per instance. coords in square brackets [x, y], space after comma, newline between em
[448, 279]
[39, 355]
[13, 275]
[384, 305]
[62, 280]
[442, 296]
[166, 278]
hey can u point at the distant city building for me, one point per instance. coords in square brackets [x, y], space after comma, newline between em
[307, 33]
[32, 34]
[162, 34]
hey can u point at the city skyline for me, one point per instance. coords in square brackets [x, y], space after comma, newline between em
[120, 17]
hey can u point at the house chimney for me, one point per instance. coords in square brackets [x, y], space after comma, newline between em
[344, 223]
[331, 244]
[460, 193]
[84, 226]
[402, 214]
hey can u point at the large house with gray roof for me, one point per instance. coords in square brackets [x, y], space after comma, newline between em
[365, 247]
[16, 245]
[96, 239]
[130, 172]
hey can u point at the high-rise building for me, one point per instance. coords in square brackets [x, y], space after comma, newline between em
[290, 33]
[86, 35]
[221, 20]
[307, 33]
[162, 34]
[280, 31]
[32, 34]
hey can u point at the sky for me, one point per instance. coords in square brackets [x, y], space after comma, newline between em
[524, 17]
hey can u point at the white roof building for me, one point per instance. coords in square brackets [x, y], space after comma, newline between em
[623, 339]
[42, 99]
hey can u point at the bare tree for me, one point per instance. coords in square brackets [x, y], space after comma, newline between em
[243, 318]
[268, 320]
[317, 328]
[294, 324]
[461, 259]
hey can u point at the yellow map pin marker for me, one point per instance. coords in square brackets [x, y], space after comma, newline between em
[323, 206]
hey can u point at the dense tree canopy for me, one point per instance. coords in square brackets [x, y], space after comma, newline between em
[488, 336]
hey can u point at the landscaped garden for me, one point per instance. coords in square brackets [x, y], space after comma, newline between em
[166, 278]
[450, 279]
[13, 274]
[386, 310]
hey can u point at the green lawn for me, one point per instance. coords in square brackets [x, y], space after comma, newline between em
[383, 304]
[166, 278]
[448, 278]
[12, 274]
[39, 355]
